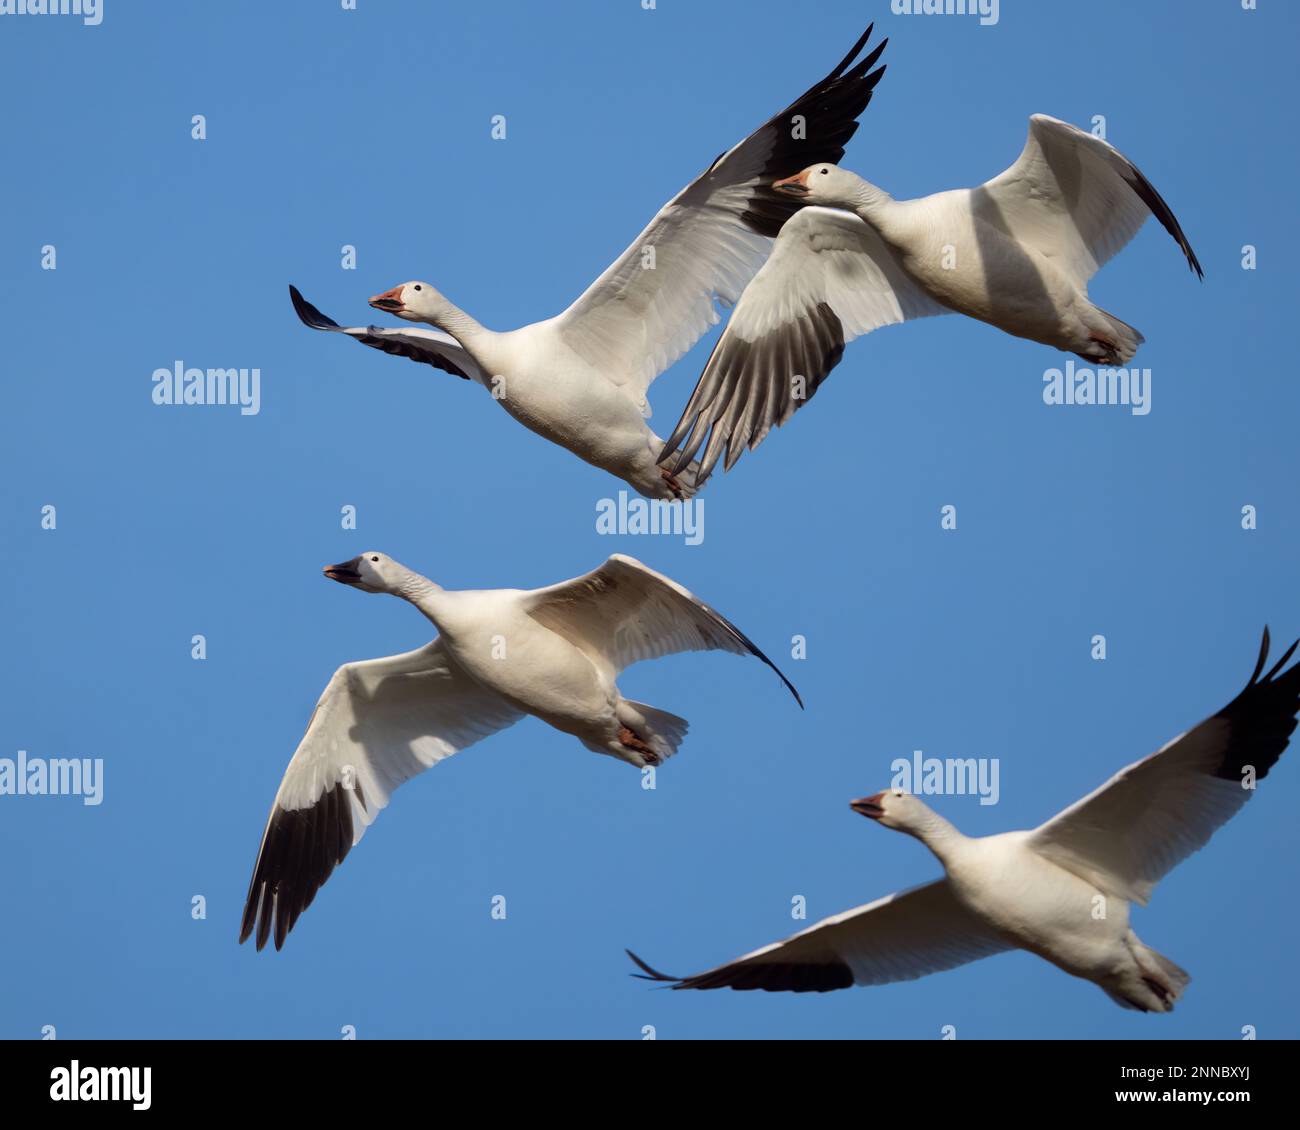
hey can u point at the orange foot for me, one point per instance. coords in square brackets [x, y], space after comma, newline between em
[1112, 351]
[629, 739]
[671, 480]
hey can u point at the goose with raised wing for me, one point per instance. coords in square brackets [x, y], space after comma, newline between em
[1016, 252]
[581, 379]
[555, 653]
[1062, 891]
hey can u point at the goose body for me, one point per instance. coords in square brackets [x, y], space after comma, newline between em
[555, 653]
[1036, 905]
[1063, 890]
[555, 392]
[1016, 252]
[993, 277]
[581, 379]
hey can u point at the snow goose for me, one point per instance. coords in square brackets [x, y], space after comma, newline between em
[581, 379]
[500, 654]
[1042, 890]
[1016, 252]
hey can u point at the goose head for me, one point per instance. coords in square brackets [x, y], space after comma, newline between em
[893, 808]
[413, 301]
[370, 572]
[824, 184]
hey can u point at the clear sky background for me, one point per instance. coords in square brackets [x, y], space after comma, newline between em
[372, 128]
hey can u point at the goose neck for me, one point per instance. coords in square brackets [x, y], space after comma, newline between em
[940, 836]
[424, 594]
[873, 204]
[465, 329]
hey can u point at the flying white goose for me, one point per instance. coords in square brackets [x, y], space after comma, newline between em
[1016, 252]
[580, 379]
[500, 654]
[1044, 890]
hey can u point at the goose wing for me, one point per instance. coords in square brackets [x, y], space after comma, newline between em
[428, 346]
[830, 279]
[1130, 833]
[624, 612]
[378, 723]
[1075, 198]
[897, 938]
[653, 303]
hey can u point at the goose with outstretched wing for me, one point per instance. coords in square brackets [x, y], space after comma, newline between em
[1063, 890]
[1016, 252]
[581, 379]
[555, 653]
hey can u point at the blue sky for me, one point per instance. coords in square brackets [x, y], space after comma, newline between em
[372, 128]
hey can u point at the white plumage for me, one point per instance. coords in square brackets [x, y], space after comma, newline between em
[554, 653]
[1061, 891]
[1016, 252]
[581, 379]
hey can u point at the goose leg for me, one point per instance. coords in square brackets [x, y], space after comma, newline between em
[1107, 352]
[671, 481]
[629, 739]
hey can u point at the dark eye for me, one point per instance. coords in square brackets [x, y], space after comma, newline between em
[824, 173]
[417, 286]
[374, 559]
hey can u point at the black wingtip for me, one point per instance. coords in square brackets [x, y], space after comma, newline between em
[781, 674]
[848, 59]
[758, 653]
[753, 649]
[1263, 657]
[1262, 717]
[1159, 208]
[789, 685]
[300, 849]
[307, 313]
[1277, 666]
[650, 973]
[1286, 655]
[872, 59]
